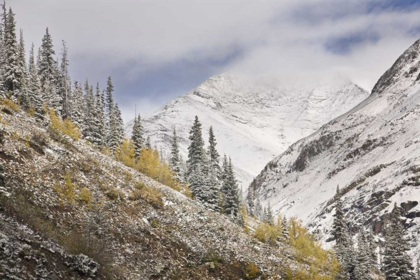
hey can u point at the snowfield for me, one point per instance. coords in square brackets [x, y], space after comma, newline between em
[253, 122]
[372, 153]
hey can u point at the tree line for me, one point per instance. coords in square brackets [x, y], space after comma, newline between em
[44, 83]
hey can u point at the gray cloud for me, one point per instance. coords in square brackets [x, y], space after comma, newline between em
[291, 40]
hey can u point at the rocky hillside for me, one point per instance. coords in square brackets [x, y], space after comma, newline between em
[372, 153]
[253, 121]
[68, 211]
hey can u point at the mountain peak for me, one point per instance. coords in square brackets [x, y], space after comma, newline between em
[405, 71]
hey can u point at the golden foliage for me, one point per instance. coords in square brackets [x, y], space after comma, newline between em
[66, 127]
[85, 195]
[251, 271]
[66, 192]
[125, 153]
[149, 164]
[11, 105]
[322, 263]
[149, 194]
[267, 233]
[30, 112]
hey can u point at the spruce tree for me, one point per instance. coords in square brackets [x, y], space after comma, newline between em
[24, 90]
[269, 215]
[137, 136]
[230, 192]
[195, 160]
[362, 266]
[89, 113]
[397, 264]
[175, 161]
[13, 74]
[47, 65]
[34, 84]
[250, 201]
[98, 120]
[371, 247]
[149, 144]
[284, 229]
[214, 155]
[109, 104]
[64, 83]
[339, 223]
[78, 107]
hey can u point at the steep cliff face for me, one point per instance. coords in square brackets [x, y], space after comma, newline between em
[371, 152]
[253, 121]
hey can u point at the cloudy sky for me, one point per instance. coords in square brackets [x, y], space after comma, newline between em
[158, 49]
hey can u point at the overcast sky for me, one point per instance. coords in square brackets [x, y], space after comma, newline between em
[156, 50]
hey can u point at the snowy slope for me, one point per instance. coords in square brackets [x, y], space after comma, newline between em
[372, 153]
[253, 122]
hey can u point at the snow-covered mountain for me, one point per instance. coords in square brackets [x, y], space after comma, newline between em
[372, 153]
[253, 121]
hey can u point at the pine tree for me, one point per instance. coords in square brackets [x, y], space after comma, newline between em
[34, 84]
[116, 128]
[339, 223]
[47, 66]
[137, 136]
[98, 120]
[284, 229]
[3, 23]
[195, 162]
[230, 192]
[371, 247]
[89, 112]
[258, 214]
[109, 104]
[175, 161]
[78, 107]
[396, 264]
[209, 191]
[148, 143]
[250, 201]
[24, 90]
[13, 74]
[214, 155]
[269, 215]
[362, 266]
[64, 83]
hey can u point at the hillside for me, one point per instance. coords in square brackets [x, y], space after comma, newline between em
[253, 121]
[372, 153]
[68, 211]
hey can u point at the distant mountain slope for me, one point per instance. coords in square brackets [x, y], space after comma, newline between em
[372, 153]
[253, 122]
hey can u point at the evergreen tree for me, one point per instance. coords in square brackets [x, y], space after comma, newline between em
[89, 113]
[24, 91]
[148, 143]
[371, 247]
[47, 65]
[214, 155]
[362, 267]
[137, 136]
[396, 264]
[195, 162]
[284, 229]
[3, 22]
[78, 107]
[339, 223]
[109, 104]
[34, 84]
[64, 83]
[258, 214]
[98, 120]
[250, 201]
[269, 215]
[116, 129]
[230, 192]
[13, 74]
[175, 161]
